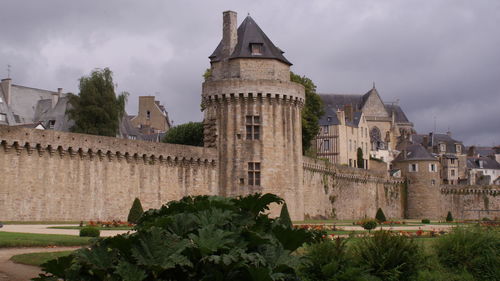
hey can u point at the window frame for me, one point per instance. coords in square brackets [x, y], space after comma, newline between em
[252, 127]
[254, 173]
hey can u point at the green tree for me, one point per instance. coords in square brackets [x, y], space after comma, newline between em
[380, 216]
[449, 217]
[97, 110]
[312, 111]
[189, 134]
[135, 212]
[361, 162]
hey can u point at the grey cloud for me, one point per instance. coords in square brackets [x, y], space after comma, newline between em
[439, 58]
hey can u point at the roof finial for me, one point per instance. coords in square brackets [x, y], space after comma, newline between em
[8, 70]
[373, 84]
[248, 14]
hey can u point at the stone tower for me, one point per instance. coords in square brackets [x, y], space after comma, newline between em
[253, 116]
[421, 171]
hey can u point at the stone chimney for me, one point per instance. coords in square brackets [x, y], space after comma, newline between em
[229, 33]
[425, 141]
[56, 96]
[341, 116]
[349, 113]
[6, 88]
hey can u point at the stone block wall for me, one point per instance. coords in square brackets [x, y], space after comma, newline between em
[49, 175]
[332, 191]
[463, 201]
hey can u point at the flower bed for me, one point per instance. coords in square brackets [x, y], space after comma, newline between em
[113, 223]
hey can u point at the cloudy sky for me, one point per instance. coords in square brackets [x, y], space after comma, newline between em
[439, 58]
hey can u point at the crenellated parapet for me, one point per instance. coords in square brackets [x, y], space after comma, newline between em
[99, 148]
[348, 173]
[470, 189]
[245, 91]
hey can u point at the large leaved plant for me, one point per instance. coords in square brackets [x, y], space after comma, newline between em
[195, 238]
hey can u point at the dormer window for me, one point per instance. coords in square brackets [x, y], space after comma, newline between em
[256, 49]
[52, 124]
[442, 147]
[459, 148]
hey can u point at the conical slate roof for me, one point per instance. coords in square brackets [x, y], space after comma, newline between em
[249, 32]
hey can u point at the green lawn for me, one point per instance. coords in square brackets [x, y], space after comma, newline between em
[100, 227]
[15, 239]
[37, 259]
[40, 222]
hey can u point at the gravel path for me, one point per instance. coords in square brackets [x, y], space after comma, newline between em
[10, 271]
[44, 229]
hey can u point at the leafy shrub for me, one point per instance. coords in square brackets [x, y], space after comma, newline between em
[449, 217]
[135, 212]
[329, 260]
[427, 221]
[380, 216]
[196, 238]
[90, 231]
[476, 249]
[189, 134]
[388, 256]
[369, 224]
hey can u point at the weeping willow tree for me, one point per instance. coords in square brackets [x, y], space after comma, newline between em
[97, 110]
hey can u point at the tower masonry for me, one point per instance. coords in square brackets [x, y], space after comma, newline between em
[421, 171]
[252, 115]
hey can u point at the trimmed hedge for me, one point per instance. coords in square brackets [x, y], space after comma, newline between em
[90, 231]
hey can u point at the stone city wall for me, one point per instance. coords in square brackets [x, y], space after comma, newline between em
[333, 191]
[50, 175]
[462, 200]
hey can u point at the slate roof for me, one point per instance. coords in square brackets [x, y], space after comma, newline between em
[414, 152]
[250, 32]
[482, 150]
[488, 163]
[336, 101]
[439, 138]
[24, 100]
[44, 113]
[329, 118]
[400, 116]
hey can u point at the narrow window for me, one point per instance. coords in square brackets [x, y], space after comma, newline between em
[325, 130]
[432, 167]
[148, 114]
[413, 168]
[433, 182]
[459, 148]
[452, 172]
[252, 127]
[350, 162]
[326, 144]
[254, 173]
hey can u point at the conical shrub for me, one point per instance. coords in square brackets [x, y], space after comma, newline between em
[285, 216]
[380, 216]
[135, 212]
[449, 217]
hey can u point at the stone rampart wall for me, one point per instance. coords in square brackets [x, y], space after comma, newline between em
[49, 175]
[332, 191]
[462, 200]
